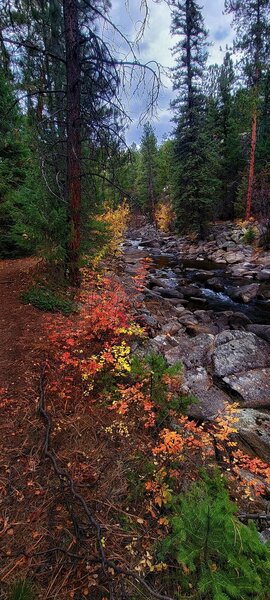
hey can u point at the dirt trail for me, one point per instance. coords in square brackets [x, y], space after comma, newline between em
[20, 328]
[22, 336]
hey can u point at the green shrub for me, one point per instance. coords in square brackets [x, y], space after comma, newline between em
[21, 589]
[154, 366]
[249, 236]
[219, 558]
[48, 300]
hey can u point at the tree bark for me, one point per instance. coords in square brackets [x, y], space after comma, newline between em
[257, 77]
[73, 182]
[251, 163]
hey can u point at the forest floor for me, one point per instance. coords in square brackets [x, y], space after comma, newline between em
[22, 347]
[21, 328]
[60, 527]
[85, 461]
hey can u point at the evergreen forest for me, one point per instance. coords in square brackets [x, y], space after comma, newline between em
[135, 302]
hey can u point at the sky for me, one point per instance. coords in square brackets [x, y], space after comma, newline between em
[156, 45]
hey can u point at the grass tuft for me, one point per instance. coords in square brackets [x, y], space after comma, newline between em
[48, 300]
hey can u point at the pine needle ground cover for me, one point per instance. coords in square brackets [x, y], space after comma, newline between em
[100, 493]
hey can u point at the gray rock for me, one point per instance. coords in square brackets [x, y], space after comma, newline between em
[193, 352]
[172, 327]
[204, 316]
[236, 236]
[245, 293]
[157, 282]
[210, 400]
[234, 257]
[240, 271]
[177, 302]
[190, 290]
[187, 318]
[237, 351]
[254, 432]
[149, 320]
[253, 387]
[150, 243]
[264, 275]
[210, 404]
[198, 300]
[197, 378]
[229, 245]
[263, 331]
[265, 261]
[168, 292]
[179, 310]
[216, 284]
[239, 321]
[203, 275]
[163, 343]
[265, 535]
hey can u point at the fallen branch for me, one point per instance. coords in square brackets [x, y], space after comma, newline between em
[65, 477]
[254, 517]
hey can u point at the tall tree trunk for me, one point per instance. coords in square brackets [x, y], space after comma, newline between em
[257, 77]
[73, 137]
[251, 163]
[189, 68]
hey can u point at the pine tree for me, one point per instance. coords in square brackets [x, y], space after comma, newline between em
[196, 159]
[218, 557]
[70, 74]
[165, 163]
[147, 178]
[14, 168]
[231, 125]
[251, 20]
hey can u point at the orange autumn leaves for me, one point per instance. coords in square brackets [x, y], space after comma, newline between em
[96, 344]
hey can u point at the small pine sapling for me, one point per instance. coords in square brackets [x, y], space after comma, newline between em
[219, 558]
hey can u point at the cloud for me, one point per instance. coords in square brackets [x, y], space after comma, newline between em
[222, 33]
[156, 45]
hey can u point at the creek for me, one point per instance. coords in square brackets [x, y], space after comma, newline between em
[174, 272]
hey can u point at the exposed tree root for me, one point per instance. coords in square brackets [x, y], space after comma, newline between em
[66, 480]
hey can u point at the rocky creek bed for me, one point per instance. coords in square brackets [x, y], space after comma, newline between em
[207, 305]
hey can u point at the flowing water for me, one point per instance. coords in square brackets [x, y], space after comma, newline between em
[173, 271]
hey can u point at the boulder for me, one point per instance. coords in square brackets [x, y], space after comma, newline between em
[149, 320]
[171, 328]
[192, 352]
[210, 400]
[264, 275]
[203, 276]
[187, 318]
[163, 343]
[252, 386]
[204, 316]
[177, 302]
[262, 331]
[240, 271]
[149, 243]
[237, 351]
[239, 321]
[189, 290]
[198, 300]
[215, 284]
[254, 432]
[157, 282]
[210, 403]
[265, 535]
[245, 293]
[236, 236]
[228, 245]
[168, 292]
[234, 257]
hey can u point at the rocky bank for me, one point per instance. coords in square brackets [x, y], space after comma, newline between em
[206, 304]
